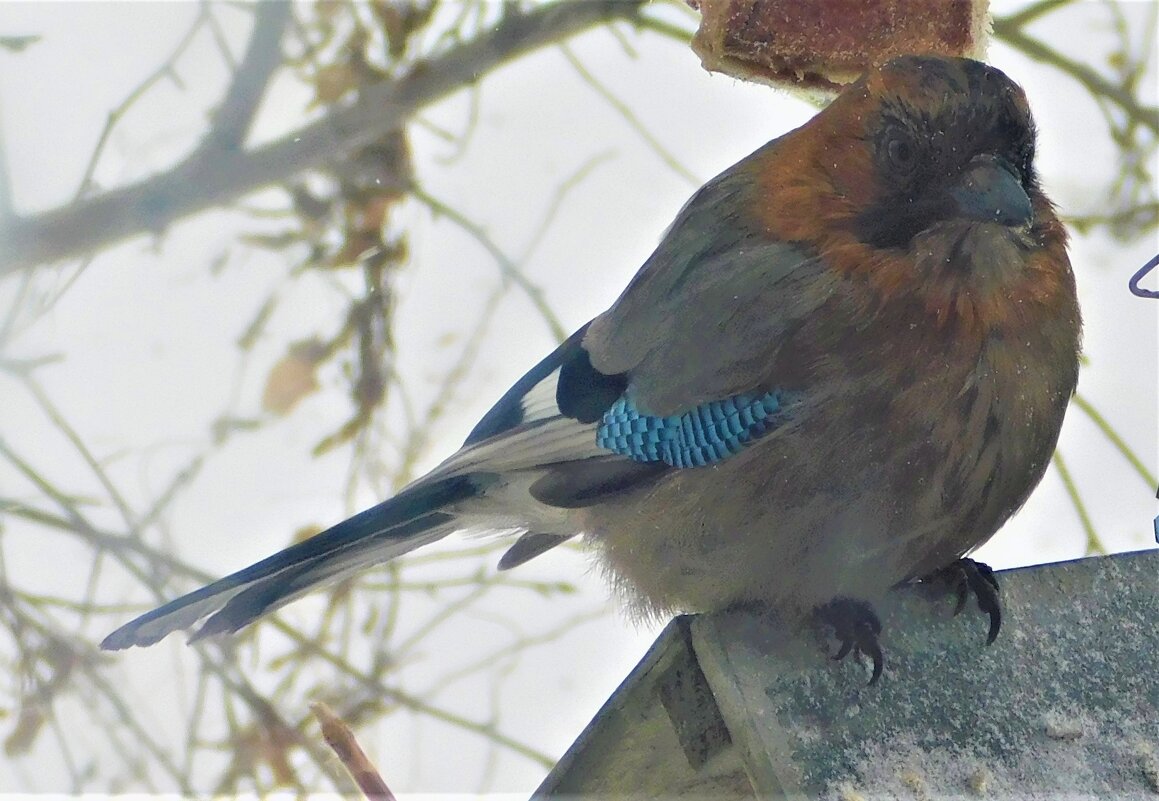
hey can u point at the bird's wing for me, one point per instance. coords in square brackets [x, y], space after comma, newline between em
[549, 420]
[711, 310]
[678, 372]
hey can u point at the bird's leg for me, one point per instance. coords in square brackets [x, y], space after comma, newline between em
[965, 577]
[856, 627]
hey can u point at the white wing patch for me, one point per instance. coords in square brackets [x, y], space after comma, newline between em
[544, 437]
[539, 403]
[547, 441]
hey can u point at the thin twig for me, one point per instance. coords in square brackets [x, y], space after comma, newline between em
[630, 117]
[167, 69]
[1094, 83]
[1094, 544]
[1032, 12]
[507, 267]
[562, 191]
[415, 704]
[343, 742]
[156, 202]
[1115, 439]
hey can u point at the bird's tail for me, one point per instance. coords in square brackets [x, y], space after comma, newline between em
[415, 517]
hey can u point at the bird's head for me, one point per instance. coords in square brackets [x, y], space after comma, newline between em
[920, 173]
[950, 141]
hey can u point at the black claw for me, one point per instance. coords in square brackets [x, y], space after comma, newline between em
[872, 649]
[995, 625]
[987, 573]
[990, 603]
[966, 577]
[963, 596]
[843, 651]
[857, 628]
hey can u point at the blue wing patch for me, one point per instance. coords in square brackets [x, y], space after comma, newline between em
[702, 436]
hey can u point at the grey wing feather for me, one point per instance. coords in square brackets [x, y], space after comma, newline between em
[541, 442]
[529, 546]
[703, 318]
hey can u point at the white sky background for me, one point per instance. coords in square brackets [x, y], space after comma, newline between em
[148, 334]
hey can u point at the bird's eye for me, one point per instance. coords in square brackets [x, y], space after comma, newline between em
[902, 153]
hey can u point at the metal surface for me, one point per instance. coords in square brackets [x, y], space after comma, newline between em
[1065, 705]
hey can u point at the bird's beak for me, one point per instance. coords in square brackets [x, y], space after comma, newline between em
[991, 191]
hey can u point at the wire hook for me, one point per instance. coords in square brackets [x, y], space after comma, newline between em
[1133, 284]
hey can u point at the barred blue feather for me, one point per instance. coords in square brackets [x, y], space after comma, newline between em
[701, 436]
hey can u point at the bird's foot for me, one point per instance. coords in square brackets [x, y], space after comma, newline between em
[856, 627]
[965, 577]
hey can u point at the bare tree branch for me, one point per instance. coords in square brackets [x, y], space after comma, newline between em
[232, 119]
[197, 184]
